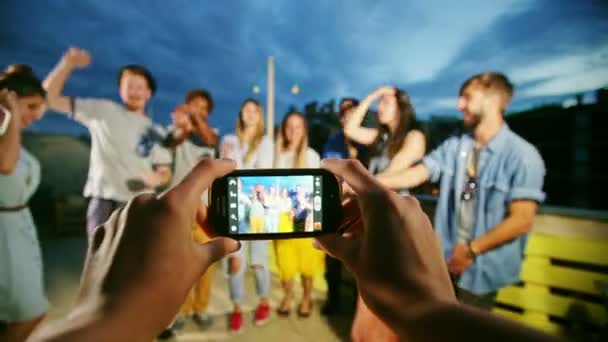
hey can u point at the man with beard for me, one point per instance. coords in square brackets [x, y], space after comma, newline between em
[490, 187]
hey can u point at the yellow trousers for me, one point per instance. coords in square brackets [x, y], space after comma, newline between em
[257, 224]
[197, 300]
[298, 256]
[285, 223]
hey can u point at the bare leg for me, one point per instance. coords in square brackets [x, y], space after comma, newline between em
[306, 304]
[287, 295]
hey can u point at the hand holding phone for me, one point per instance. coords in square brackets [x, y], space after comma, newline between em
[275, 204]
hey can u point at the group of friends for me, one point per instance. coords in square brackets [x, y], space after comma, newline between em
[275, 210]
[490, 187]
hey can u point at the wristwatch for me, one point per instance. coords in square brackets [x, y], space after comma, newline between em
[473, 252]
[5, 119]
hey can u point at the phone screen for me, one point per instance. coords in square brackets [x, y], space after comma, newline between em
[272, 204]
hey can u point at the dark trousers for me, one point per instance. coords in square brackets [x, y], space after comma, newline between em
[99, 211]
[483, 302]
[333, 276]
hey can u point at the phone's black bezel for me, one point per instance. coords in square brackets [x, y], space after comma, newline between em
[331, 202]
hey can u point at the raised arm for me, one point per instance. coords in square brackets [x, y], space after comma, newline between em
[74, 58]
[353, 128]
[10, 141]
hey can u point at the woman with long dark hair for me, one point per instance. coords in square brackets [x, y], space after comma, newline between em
[23, 304]
[396, 144]
[398, 141]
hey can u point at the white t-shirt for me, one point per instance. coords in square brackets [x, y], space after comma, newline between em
[115, 134]
[286, 160]
[187, 155]
[261, 159]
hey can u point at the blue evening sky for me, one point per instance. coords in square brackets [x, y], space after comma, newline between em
[551, 49]
[283, 182]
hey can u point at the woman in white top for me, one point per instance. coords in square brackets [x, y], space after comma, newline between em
[296, 256]
[23, 303]
[251, 149]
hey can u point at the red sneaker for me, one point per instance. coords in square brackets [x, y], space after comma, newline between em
[262, 314]
[236, 322]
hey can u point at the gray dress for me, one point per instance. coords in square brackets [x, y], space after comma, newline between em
[378, 163]
[21, 284]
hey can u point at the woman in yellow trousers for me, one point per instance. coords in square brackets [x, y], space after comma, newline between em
[197, 300]
[296, 256]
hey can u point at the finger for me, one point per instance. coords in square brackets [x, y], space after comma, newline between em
[353, 173]
[188, 192]
[351, 212]
[214, 250]
[346, 250]
[202, 219]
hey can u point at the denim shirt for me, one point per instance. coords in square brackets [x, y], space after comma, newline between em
[509, 168]
[336, 148]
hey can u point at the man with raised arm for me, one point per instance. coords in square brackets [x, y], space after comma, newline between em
[116, 170]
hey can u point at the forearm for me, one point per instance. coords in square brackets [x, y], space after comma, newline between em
[452, 321]
[399, 165]
[87, 327]
[177, 136]
[510, 228]
[10, 146]
[208, 135]
[164, 175]
[408, 178]
[54, 84]
[353, 126]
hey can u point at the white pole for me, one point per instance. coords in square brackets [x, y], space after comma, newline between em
[270, 99]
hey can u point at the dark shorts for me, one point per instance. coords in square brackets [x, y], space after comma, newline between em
[483, 302]
[99, 211]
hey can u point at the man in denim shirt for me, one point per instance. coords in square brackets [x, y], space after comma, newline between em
[490, 185]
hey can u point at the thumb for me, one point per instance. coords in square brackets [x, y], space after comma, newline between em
[214, 250]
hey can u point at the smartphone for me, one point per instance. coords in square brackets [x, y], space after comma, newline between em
[268, 204]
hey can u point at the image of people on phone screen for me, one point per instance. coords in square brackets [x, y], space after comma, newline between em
[276, 205]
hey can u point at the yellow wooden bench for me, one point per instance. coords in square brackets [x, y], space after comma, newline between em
[566, 260]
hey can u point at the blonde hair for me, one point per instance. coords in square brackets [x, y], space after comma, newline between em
[282, 142]
[259, 130]
[492, 82]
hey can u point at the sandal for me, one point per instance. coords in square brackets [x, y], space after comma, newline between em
[302, 313]
[283, 310]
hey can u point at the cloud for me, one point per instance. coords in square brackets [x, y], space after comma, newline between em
[570, 83]
[331, 49]
[565, 74]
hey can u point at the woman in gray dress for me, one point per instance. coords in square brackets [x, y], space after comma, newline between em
[394, 145]
[23, 303]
